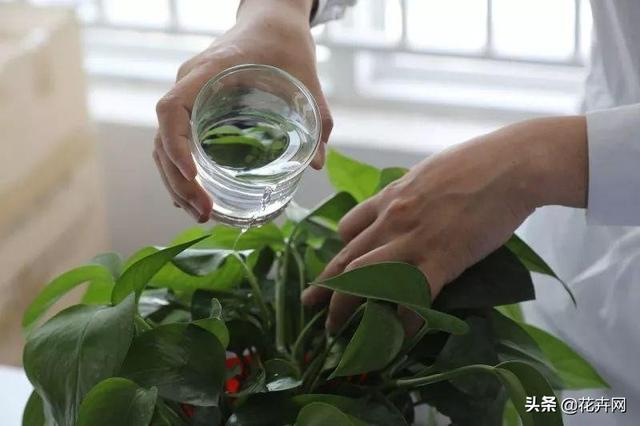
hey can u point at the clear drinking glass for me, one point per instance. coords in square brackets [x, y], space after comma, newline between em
[255, 128]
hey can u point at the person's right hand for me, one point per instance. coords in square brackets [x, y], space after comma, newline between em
[271, 32]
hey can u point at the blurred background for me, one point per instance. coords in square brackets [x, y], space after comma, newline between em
[405, 78]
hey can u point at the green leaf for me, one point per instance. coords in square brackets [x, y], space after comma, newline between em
[498, 279]
[136, 277]
[376, 342]
[368, 409]
[201, 262]
[354, 177]
[442, 321]
[229, 238]
[533, 262]
[185, 362]
[389, 175]
[534, 385]
[110, 260]
[117, 401]
[74, 351]
[330, 211]
[514, 343]
[33, 414]
[517, 394]
[99, 292]
[216, 327]
[281, 375]
[395, 282]
[513, 311]
[322, 414]
[61, 286]
[574, 371]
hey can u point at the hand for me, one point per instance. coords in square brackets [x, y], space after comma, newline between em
[272, 32]
[456, 207]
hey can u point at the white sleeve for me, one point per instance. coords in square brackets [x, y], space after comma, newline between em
[329, 10]
[614, 166]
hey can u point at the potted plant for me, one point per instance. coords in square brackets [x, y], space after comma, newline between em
[210, 330]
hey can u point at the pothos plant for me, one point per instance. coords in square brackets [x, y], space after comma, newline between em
[210, 330]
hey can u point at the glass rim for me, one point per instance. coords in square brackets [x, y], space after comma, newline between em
[317, 133]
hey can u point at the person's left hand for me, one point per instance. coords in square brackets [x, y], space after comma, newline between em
[454, 208]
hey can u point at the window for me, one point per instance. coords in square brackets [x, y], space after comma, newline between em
[504, 54]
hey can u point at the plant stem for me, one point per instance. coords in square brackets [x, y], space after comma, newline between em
[301, 282]
[440, 377]
[296, 350]
[325, 353]
[257, 292]
[280, 302]
[402, 356]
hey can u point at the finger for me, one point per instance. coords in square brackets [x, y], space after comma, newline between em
[368, 240]
[411, 321]
[365, 241]
[179, 203]
[174, 114]
[186, 193]
[358, 219]
[341, 307]
[315, 295]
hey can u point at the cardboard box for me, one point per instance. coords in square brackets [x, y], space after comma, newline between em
[42, 86]
[62, 227]
[52, 212]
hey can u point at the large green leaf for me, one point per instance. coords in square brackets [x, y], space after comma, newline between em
[356, 178]
[323, 414]
[513, 343]
[498, 279]
[117, 401]
[442, 321]
[517, 394]
[33, 414]
[136, 277]
[185, 362]
[61, 286]
[330, 211]
[368, 409]
[574, 371]
[216, 327]
[395, 282]
[201, 262]
[535, 385]
[376, 342]
[74, 351]
[98, 291]
[533, 261]
[226, 237]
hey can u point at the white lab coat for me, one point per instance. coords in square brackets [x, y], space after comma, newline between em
[598, 258]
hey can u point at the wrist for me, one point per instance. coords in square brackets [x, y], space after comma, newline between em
[291, 10]
[555, 165]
